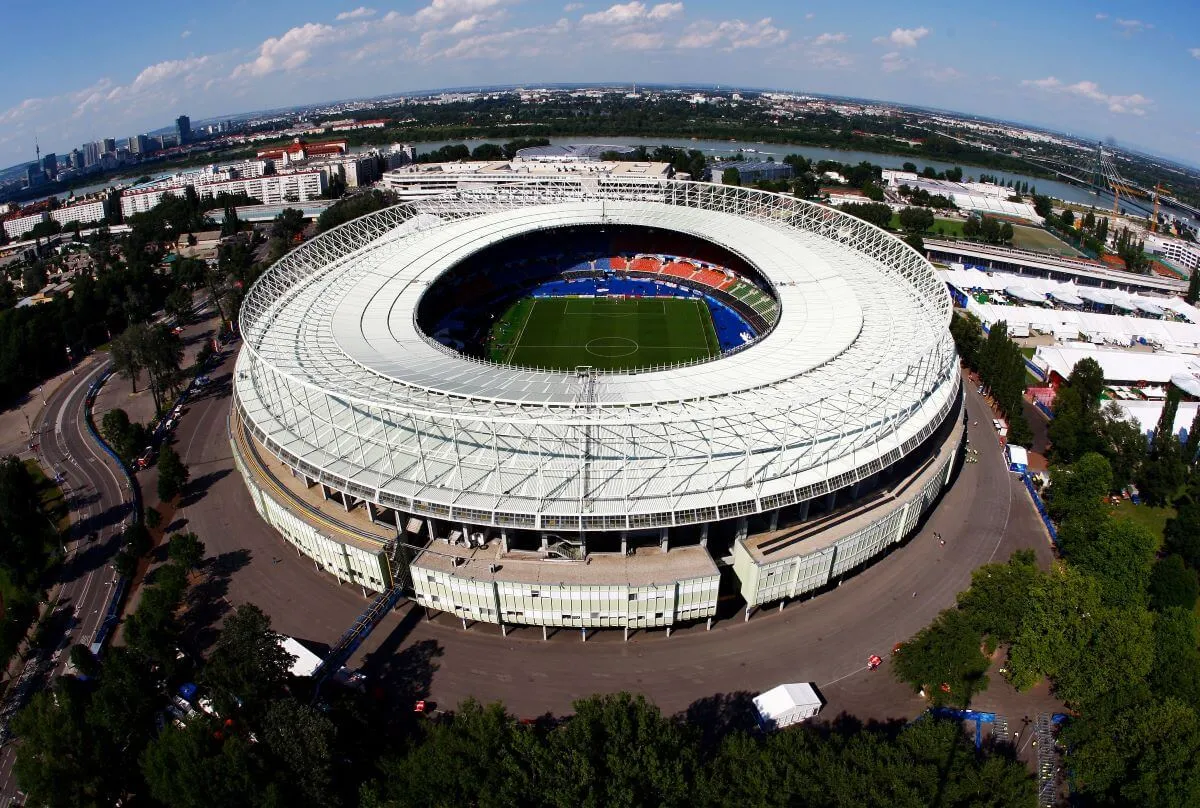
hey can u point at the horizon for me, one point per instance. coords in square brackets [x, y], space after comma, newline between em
[970, 64]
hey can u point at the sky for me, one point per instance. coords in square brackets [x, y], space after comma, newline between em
[1125, 70]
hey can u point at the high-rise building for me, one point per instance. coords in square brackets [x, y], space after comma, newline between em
[139, 144]
[183, 129]
[108, 145]
[76, 159]
[91, 154]
[50, 165]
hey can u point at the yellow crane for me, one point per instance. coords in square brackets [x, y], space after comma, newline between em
[1158, 189]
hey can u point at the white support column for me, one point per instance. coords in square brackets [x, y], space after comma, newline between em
[704, 535]
[664, 540]
[747, 620]
[544, 632]
[345, 501]
[775, 519]
[503, 540]
[583, 632]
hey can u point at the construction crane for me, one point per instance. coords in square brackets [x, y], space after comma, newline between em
[1158, 189]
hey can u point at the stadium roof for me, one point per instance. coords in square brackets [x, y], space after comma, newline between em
[337, 379]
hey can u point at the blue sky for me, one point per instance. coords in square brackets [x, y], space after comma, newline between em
[79, 71]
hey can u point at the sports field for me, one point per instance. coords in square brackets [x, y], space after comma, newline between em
[605, 333]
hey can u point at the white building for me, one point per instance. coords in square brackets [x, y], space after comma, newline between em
[787, 704]
[20, 225]
[421, 180]
[94, 210]
[272, 189]
[1184, 253]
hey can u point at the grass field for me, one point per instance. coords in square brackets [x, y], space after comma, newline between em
[608, 334]
[1153, 519]
[1035, 238]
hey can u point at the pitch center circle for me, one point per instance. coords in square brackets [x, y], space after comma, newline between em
[611, 347]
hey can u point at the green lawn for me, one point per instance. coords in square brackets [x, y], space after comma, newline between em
[1153, 519]
[941, 227]
[1035, 238]
[54, 504]
[565, 333]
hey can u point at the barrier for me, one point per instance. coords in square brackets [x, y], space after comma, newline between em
[1041, 507]
[113, 613]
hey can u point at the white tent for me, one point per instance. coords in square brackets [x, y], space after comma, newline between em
[1018, 458]
[787, 704]
[1067, 298]
[1019, 292]
[306, 662]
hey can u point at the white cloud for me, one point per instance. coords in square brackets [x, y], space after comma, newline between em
[638, 41]
[22, 110]
[569, 7]
[733, 34]
[527, 42]
[904, 37]
[809, 15]
[288, 52]
[1134, 104]
[1102, 16]
[1133, 26]
[441, 11]
[942, 74]
[830, 39]
[362, 12]
[1195, 52]
[185, 34]
[894, 62]
[632, 12]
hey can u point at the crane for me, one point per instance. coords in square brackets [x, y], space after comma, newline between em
[1158, 189]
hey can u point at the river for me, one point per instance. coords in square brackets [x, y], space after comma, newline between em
[752, 150]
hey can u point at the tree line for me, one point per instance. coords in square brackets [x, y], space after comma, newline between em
[97, 738]
[1001, 367]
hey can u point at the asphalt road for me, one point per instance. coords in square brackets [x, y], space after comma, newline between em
[983, 517]
[99, 503]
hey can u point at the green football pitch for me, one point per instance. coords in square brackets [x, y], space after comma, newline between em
[605, 333]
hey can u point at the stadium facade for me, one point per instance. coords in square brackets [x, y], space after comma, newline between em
[576, 497]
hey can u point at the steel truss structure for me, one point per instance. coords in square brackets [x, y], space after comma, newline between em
[337, 379]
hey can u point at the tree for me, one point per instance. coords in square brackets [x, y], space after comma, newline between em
[916, 220]
[185, 549]
[915, 241]
[247, 665]
[230, 224]
[301, 739]
[1173, 584]
[876, 213]
[999, 595]
[1119, 554]
[618, 750]
[287, 225]
[1006, 233]
[1067, 218]
[58, 761]
[1182, 532]
[946, 652]
[126, 356]
[731, 176]
[200, 766]
[172, 473]
[179, 305]
[1193, 290]
[124, 436]
[1130, 748]
[1176, 670]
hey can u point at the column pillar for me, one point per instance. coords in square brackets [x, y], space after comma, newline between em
[803, 510]
[830, 500]
[583, 632]
[345, 501]
[775, 519]
[626, 633]
[624, 552]
[324, 491]
[704, 535]
[545, 543]
[429, 527]
[743, 527]
[747, 620]
[708, 625]
[503, 540]
[664, 540]
[370, 510]
[544, 631]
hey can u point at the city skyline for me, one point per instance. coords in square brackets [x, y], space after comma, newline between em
[236, 60]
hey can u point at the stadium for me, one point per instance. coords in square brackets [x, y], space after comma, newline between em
[594, 402]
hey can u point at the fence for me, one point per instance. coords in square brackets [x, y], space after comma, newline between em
[113, 613]
[1041, 507]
